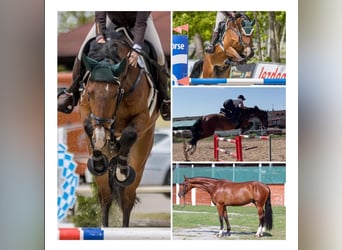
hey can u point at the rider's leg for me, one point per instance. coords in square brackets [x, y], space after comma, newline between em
[68, 98]
[220, 16]
[163, 74]
[210, 48]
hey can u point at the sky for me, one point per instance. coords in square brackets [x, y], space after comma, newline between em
[194, 101]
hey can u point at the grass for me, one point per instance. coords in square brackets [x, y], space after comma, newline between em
[243, 221]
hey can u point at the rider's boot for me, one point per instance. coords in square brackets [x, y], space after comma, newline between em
[68, 98]
[210, 48]
[163, 88]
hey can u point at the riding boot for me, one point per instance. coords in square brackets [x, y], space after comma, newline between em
[210, 48]
[163, 89]
[68, 98]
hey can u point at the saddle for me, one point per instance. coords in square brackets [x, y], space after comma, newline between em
[91, 57]
[227, 113]
[147, 53]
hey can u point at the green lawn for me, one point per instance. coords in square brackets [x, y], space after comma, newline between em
[243, 221]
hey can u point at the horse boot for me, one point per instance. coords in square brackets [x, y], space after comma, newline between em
[210, 48]
[162, 87]
[69, 97]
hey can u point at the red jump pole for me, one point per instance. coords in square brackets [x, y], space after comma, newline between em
[216, 153]
[238, 146]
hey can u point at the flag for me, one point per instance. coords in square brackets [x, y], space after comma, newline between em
[179, 29]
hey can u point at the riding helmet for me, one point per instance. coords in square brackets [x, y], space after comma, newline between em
[242, 97]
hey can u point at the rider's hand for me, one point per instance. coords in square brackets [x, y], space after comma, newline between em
[133, 58]
[101, 40]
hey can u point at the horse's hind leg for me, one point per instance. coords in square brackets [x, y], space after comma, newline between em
[260, 231]
[127, 203]
[105, 197]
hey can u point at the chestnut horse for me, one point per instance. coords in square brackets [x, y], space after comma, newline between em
[206, 125]
[234, 47]
[225, 193]
[119, 109]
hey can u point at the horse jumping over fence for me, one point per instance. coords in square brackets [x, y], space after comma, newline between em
[225, 193]
[206, 125]
[235, 48]
[119, 108]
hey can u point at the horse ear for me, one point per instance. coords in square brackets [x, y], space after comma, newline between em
[253, 22]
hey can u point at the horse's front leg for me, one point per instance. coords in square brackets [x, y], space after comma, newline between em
[220, 210]
[234, 55]
[225, 216]
[125, 174]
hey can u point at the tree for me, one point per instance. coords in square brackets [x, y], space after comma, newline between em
[70, 19]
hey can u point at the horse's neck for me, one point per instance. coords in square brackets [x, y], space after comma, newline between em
[203, 184]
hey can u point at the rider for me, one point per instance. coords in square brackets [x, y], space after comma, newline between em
[220, 17]
[233, 106]
[141, 25]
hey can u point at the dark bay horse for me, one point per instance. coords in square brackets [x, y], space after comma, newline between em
[119, 109]
[206, 125]
[225, 193]
[235, 47]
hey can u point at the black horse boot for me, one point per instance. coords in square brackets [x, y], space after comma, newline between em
[69, 97]
[210, 48]
[163, 87]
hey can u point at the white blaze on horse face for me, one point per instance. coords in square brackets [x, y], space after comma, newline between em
[99, 138]
[107, 87]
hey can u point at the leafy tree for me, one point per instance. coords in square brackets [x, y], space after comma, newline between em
[71, 19]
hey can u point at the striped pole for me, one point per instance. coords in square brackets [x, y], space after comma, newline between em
[217, 149]
[233, 81]
[142, 233]
[237, 81]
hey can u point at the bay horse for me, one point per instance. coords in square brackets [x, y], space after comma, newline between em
[206, 126]
[225, 193]
[235, 46]
[119, 108]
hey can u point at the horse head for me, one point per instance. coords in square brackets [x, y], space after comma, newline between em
[184, 187]
[262, 115]
[246, 30]
[103, 91]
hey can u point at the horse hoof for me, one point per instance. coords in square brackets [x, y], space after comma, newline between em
[98, 165]
[130, 177]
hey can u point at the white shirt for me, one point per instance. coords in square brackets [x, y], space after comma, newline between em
[238, 103]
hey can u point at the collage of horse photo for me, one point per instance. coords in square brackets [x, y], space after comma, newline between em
[172, 125]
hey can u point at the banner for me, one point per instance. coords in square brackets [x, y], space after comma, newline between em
[179, 58]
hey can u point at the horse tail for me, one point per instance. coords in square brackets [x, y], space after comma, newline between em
[197, 69]
[196, 131]
[268, 212]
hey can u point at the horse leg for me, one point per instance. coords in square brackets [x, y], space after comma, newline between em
[225, 216]
[125, 173]
[208, 68]
[105, 197]
[261, 228]
[234, 55]
[127, 203]
[220, 210]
